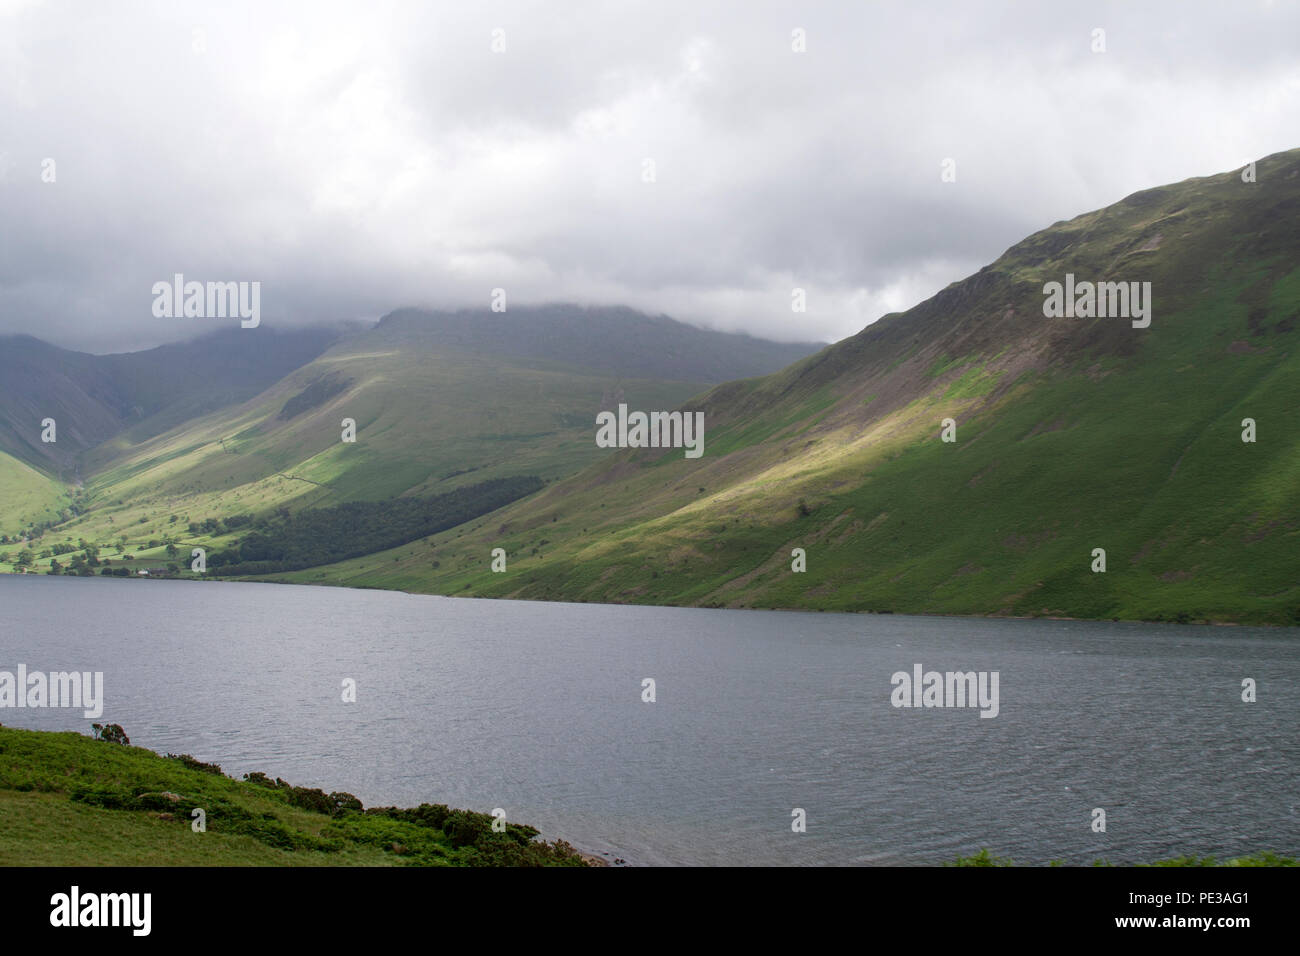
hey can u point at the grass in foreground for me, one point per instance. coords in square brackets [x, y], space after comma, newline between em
[984, 858]
[71, 800]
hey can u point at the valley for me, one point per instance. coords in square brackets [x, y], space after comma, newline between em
[970, 456]
[429, 420]
[1072, 434]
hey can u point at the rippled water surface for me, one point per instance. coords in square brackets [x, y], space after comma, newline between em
[536, 708]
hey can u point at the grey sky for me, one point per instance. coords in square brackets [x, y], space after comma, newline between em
[358, 157]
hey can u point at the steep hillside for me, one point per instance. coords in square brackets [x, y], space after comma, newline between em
[95, 397]
[430, 417]
[39, 381]
[172, 384]
[27, 497]
[1072, 434]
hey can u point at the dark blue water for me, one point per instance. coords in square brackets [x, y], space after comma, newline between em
[537, 709]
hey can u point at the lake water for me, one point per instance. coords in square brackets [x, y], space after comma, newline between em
[537, 709]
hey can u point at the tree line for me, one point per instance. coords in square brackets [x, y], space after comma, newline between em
[316, 536]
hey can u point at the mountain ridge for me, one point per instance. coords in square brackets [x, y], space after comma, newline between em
[435, 404]
[830, 484]
[1071, 435]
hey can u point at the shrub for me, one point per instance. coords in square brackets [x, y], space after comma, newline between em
[309, 798]
[194, 764]
[344, 802]
[982, 858]
[467, 828]
[106, 797]
[112, 733]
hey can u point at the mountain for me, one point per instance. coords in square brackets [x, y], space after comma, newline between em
[172, 384]
[1071, 435]
[40, 381]
[614, 339]
[95, 397]
[440, 401]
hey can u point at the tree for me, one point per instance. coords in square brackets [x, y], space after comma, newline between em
[112, 733]
[25, 558]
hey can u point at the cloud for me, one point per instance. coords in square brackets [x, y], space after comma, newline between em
[356, 159]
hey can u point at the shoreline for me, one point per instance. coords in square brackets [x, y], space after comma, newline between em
[687, 607]
[253, 821]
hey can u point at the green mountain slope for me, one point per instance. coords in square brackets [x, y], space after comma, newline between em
[171, 384]
[40, 381]
[499, 401]
[1072, 435]
[27, 496]
[94, 397]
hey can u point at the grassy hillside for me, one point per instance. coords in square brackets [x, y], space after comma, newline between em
[426, 423]
[70, 800]
[1072, 435]
[26, 495]
[39, 381]
[94, 397]
[440, 401]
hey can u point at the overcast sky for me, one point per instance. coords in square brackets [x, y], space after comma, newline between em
[358, 157]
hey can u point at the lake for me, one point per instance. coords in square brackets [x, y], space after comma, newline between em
[537, 708]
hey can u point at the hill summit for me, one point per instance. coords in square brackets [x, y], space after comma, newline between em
[975, 454]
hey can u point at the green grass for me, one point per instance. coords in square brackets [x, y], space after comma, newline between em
[71, 800]
[26, 496]
[427, 423]
[984, 858]
[1072, 435]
